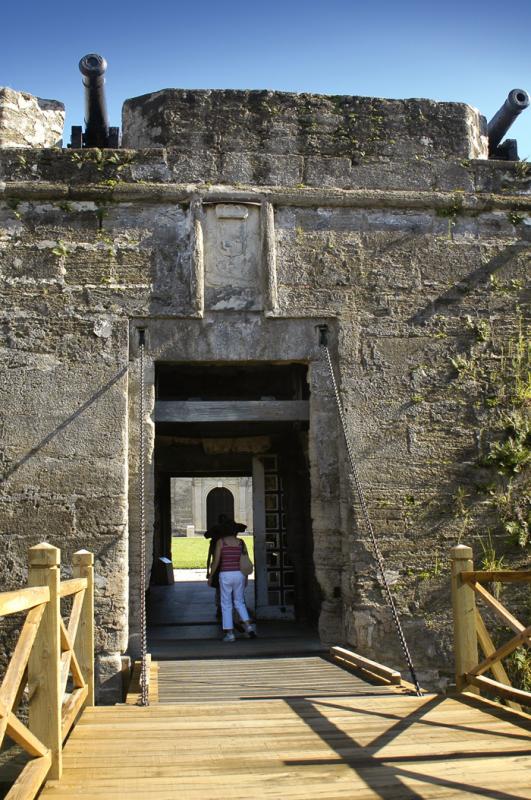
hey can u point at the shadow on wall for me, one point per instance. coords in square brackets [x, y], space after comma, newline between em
[479, 276]
[34, 450]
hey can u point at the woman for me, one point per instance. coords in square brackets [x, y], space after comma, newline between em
[231, 583]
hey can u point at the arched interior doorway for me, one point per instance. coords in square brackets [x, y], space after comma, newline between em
[219, 501]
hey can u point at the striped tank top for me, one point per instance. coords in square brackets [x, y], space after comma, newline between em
[230, 557]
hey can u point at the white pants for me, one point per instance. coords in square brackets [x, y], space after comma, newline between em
[232, 585]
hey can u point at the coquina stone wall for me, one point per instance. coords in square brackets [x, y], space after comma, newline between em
[415, 256]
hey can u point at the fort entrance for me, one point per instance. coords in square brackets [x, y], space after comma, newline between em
[243, 421]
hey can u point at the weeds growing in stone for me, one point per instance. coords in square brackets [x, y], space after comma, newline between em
[451, 212]
[495, 374]
[519, 667]
[491, 561]
[515, 218]
[61, 251]
[522, 168]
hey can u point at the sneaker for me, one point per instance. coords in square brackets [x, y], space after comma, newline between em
[229, 637]
[250, 631]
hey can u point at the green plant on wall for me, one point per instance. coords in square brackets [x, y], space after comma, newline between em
[462, 511]
[103, 159]
[61, 251]
[515, 217]
[13, 204]
[491, 561]
[511, 512]
[451, 212]
[512, 454]
[522, 168]
[495, 376]
[479, 327]
[519, 668]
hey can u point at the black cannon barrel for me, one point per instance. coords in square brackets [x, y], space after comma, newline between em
[93, 67]
[517, 101]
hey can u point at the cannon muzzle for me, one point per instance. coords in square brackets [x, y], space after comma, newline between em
[517, 101]
[97, 131]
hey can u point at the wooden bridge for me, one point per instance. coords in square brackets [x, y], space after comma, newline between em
[309, 727]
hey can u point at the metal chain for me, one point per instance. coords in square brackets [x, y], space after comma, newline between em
[144, 682]
[368, 523]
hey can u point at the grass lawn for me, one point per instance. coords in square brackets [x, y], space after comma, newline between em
[191, 552]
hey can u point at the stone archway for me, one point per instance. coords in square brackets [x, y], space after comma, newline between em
[219, 501]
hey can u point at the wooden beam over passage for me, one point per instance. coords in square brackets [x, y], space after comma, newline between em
[231, 411]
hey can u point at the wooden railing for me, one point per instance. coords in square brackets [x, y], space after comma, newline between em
[470, 630]
[53, 660]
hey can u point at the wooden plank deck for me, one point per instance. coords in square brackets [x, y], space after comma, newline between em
[359, 747]
[260, 678]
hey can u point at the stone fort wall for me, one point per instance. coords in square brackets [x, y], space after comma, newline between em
[381, 218]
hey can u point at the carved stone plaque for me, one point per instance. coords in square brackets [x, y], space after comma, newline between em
[232, 257]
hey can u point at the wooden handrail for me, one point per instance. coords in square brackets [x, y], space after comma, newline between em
[503, 651]
[23, 599]
[516, 696]
[469, 629]
[497, 576]
[506, 616]
[72, 586]
[487, 646]
[47, 651]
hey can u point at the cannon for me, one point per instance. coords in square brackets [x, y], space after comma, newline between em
[517, 101]
[97, 130]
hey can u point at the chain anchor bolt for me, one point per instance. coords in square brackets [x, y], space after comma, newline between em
[323, 335]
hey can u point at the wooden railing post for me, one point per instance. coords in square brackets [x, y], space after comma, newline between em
[83, 563]
[44, 665]
[464, 611]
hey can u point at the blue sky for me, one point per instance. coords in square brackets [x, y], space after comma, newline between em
[473, 52]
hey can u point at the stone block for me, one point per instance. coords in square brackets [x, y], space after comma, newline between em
[38, 520]
[31, 264]
[503, 177]
[86, 265]
[28, 121]
[387, 173]
[109, 684]
[406, 221]
[453, 176]
[318, 258]
[305, 124]
[154, 232]
[264, 169]
[133, 266]
[331, 622]
[198, 164]
[328, 172]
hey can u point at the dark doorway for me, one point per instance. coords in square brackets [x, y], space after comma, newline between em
[219, 501]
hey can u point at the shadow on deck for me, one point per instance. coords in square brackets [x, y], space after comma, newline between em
[368, 745]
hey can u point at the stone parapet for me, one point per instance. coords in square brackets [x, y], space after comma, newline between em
[287, 124]
[114, 170]
[28, 121]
